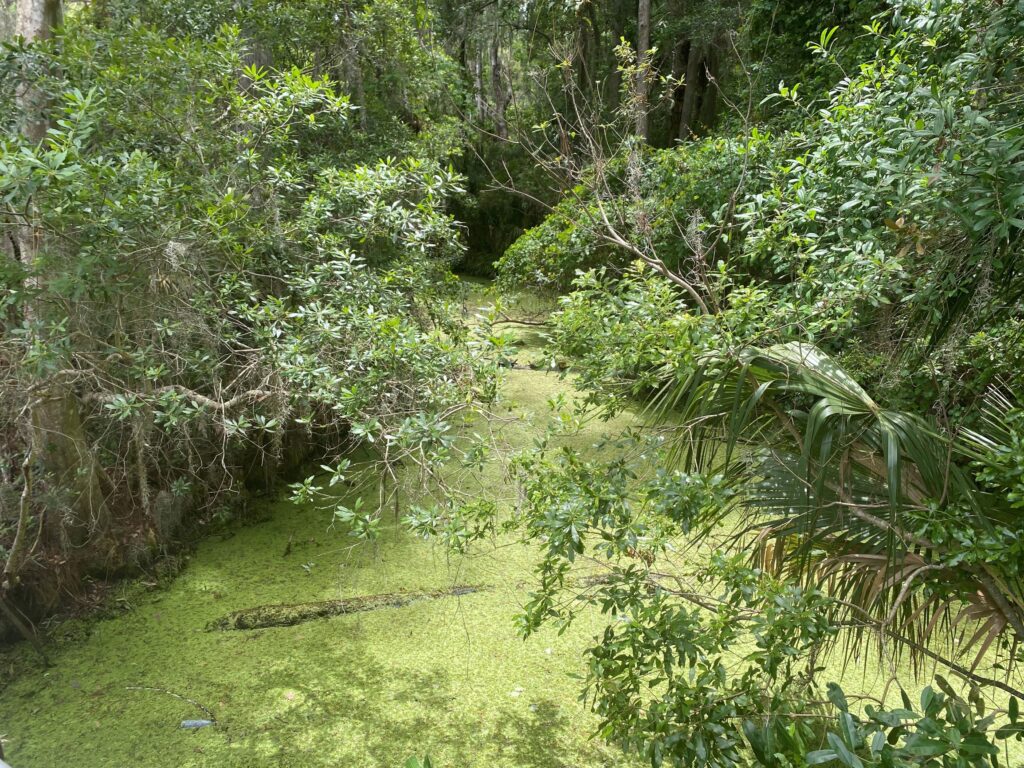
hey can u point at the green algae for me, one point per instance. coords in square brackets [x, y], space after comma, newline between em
[446, 677]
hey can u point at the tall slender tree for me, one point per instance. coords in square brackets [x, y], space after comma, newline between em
[37, 19]
[498, 85]
[643, 45]
[56, 434]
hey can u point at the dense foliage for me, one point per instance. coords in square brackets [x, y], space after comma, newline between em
[210, 279]
[228, 233]
[752, 290]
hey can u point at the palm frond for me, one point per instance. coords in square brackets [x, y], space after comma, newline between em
[842, 485]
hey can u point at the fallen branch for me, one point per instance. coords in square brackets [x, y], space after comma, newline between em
[253, 395]
[265, 616]
[506, 320]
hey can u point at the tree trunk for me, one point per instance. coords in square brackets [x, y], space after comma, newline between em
[8, 242]
[478, 87]
[60, 444]
[498, 85]
[8, 19]
[709, 100]
[586, 43]
[37, 20]
[617, 25]
[679, 58]
[254, 54]
[351, 65]
[58, 437]
[691, 94]
[643, 44]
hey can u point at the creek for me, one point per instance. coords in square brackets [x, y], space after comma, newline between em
[446, 676]
[387, 650]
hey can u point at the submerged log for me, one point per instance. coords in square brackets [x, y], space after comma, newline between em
[264, 616]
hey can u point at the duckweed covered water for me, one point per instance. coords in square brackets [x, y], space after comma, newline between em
[448, 677]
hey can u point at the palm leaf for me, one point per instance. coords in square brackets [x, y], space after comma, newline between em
[840, 485]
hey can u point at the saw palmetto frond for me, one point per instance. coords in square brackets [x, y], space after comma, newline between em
[844, 489]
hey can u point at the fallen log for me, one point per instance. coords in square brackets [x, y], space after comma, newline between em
[265, 616]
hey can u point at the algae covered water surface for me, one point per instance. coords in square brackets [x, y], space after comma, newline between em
[425, 672]
[446, 676]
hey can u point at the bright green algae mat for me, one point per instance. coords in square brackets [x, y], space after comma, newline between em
[448, 677]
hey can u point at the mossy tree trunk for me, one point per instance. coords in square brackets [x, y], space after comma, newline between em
[498, 86]
[57, 439]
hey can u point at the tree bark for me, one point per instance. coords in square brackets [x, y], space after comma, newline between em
[643, 45]
[8, 19]
[617, 25]
[58, 437]
[351, 65]
[479, 98]
[498, 85]
[255, 54]
[691, 94]
[709, 99]
[37, 20]
[586, 44]
[59, 443]
[679, 58]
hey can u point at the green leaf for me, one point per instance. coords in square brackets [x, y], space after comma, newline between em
[844, 755]
[920, 746]
[851, 736]
[877, 742]
[821, 756]
[907, 704]
[838, 698]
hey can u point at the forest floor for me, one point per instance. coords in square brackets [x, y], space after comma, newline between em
[444, 675]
